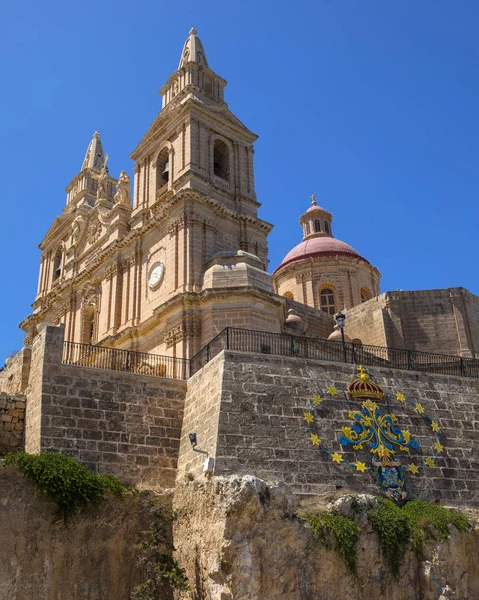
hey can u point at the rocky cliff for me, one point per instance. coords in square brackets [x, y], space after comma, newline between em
[239, 538]
[41, 559]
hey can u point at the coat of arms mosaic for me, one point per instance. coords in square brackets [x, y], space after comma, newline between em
[388, 443]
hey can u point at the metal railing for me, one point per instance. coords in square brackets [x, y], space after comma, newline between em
[279, 344]
[263, 342]
[128, 361]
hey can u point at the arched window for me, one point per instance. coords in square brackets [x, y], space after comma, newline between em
[221, 160]
[365, 294]
[326, 227]
[57, 265]
[162, 169]
[308, 230]
[89, 325]
[288, 295]
[327, 303]
[317, 225]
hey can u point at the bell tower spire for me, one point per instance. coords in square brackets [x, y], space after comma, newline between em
[193, 51]
[83, 188]
[194, 78]
[94, 157]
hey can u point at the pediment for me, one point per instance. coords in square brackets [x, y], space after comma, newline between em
[233, 119]
[150, 134]
[57, 227]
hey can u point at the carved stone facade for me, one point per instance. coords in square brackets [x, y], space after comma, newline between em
[132, 265]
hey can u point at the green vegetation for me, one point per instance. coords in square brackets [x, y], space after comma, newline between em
[396, 527]
[416, 522]
[65, 481]
[336, 532]
[161, 571]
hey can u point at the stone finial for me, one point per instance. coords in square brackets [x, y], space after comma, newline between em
[313, 200]
[295, 322]
[94, 157]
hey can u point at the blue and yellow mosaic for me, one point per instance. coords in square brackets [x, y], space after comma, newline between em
[380, 433]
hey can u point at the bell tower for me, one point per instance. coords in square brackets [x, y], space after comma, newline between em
[196, 144]
[167, 267]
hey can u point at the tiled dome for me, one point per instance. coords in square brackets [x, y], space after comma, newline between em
[319, 246]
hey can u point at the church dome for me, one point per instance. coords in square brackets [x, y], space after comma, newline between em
[317, 247]
[322, 271]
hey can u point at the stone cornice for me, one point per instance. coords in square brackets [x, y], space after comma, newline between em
[337, 261]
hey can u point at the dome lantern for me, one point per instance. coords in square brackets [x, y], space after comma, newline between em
[316, 221]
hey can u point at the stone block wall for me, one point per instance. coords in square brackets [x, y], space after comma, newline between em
[442, 321]
[14, 377]
[125, 424]
[12, 418]
[367, 322]
[201, 416]
[261, 429]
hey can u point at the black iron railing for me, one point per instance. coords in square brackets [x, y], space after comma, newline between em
[263, 342]
[115, 359]
[279, 344]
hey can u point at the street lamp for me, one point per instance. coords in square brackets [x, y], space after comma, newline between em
[340, 320]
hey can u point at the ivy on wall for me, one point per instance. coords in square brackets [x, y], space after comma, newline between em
[69, 484]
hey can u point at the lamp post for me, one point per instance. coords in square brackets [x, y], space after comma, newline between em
[340, 320]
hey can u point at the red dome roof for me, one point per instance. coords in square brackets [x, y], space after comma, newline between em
[319, 246]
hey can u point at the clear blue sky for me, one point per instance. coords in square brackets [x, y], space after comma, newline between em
[372, 105]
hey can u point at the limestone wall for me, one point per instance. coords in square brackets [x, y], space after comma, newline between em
[442, 321]
[367, 322]
[125, 424]
[201, 416]
[12, 417]
[262, 432]
[14, 377]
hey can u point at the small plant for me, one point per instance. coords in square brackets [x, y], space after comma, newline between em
[336, 532]
[162, 572]
[65, 481]
[416, 522]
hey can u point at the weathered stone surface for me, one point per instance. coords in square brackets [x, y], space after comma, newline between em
[12, 413]
[92, 559]
[248, 411]
[239, 539]
[125, 424]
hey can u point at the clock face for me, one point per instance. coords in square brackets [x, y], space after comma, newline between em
[156, 275]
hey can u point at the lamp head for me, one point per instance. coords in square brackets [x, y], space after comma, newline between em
[340, 319]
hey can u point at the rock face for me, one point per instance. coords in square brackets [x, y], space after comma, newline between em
[41, 559]
[239, 539]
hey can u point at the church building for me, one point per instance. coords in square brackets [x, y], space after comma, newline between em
[162, 264]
